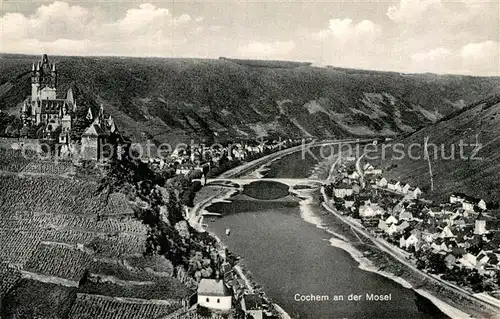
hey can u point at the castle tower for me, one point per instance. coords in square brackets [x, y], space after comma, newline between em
[43, 80]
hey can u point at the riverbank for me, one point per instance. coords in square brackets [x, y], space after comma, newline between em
[386, 261]
[211, 195]
[345, 281]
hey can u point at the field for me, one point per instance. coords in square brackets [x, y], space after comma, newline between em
[122, 270]
[120, 245]
[49, 167]
[38, 195]
[161, 288]
[64, 230]
[17, 246]
[35, 299]
[59, 261]
[95, 306]
[8, 278]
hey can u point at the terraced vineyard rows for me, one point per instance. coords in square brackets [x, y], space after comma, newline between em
[122, 271]
[12, 160]
[49, 167]
[118, 246]
[8, 278]
[38, 194]
[163, 289]
[94, 306]
[59, 261]
[44, 217]
[69, 236]
[17, 246]
[118, 204]
[29, 221]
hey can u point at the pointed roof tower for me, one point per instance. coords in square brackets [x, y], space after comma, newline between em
[111, 124]
[101, 111]
[89, 115]
[25, 107]
[69, 97]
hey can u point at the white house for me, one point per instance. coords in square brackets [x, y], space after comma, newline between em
[370, 210]
[213, 294]
[480, 225]
[468, 206]
[482, 258]
[414, 192]
[354, 175]
[393, 185]
[482, 204]
[413, 240]
[342, 191]
[373, 171]
[408, 241]
[446, 233]
[468, 261]
[391, 230]
[435, 246]
[348, 203]
[382, 225]
[382, 182]
[399, 187]
[251, 304]
[405, 215]
[454, 198]
[406, 188]
[391, 220]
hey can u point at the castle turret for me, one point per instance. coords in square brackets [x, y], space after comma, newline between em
[25, 113]
[44, 80]
[69, 97]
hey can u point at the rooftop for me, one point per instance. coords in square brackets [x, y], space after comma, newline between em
[212, 287]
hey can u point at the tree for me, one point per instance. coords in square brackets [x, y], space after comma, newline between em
[203, 312]
[436, 264]
[25, 131]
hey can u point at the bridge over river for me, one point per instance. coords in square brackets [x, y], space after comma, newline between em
[287, 181]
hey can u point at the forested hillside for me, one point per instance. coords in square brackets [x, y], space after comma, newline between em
[177, 99]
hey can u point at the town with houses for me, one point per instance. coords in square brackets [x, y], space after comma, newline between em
[54, 120]
[457, 240]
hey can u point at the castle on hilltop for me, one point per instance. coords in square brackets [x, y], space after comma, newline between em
[43, 106]
[56, 117]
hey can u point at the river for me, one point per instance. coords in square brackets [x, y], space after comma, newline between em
[293, 259]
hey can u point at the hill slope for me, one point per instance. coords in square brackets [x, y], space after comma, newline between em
[176, 99]
[476, 172]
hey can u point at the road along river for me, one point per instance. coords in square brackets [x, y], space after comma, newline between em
[310, 271]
